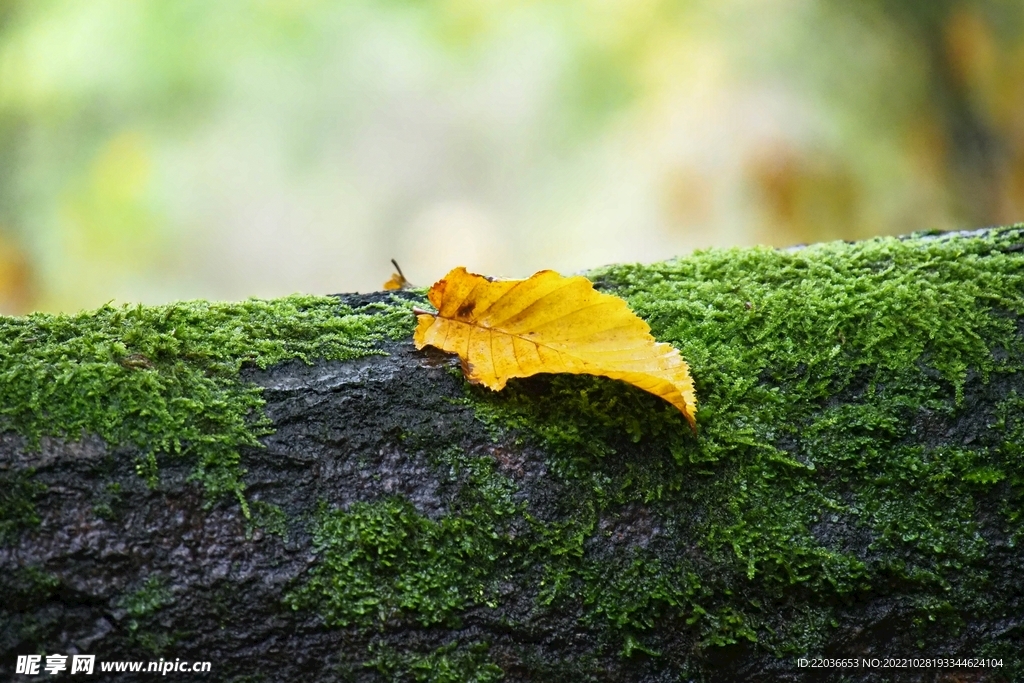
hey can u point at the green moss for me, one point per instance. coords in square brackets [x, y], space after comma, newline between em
[25, 588]
[383, 562]
[150, 596]
[108, 501]
[141, 605]
[29, 584]
[17, 503]
[452, 663]
[808, 486]
[269, 517]
[165, 379]
[1008, 464]
[815, 369]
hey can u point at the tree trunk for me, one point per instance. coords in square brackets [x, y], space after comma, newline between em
[290, 491]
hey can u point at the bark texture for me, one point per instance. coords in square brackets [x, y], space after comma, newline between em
[400, 525]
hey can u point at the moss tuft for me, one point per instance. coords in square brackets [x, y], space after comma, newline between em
[141, 605]
[815, 371]
[150, 597]
[17, 503]
[833, 465]
[818, 370]
[809, 486]
[383, 562]
[452, 663]
[165, 379]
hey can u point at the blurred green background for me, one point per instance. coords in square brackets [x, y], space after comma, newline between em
[158, 150]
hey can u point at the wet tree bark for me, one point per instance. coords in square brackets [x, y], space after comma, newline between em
[96, 562]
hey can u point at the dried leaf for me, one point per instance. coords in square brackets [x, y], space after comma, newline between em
[549, 323]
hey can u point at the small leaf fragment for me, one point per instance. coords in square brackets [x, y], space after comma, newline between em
[397, 280]
[548, 323]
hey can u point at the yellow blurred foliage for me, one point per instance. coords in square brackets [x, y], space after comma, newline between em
[804, 197]
[15, 277]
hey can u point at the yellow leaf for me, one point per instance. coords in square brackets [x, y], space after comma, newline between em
[549, 323]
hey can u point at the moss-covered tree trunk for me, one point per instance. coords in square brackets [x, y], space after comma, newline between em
[290, 491]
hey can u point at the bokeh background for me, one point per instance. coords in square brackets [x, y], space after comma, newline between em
[154, 150]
